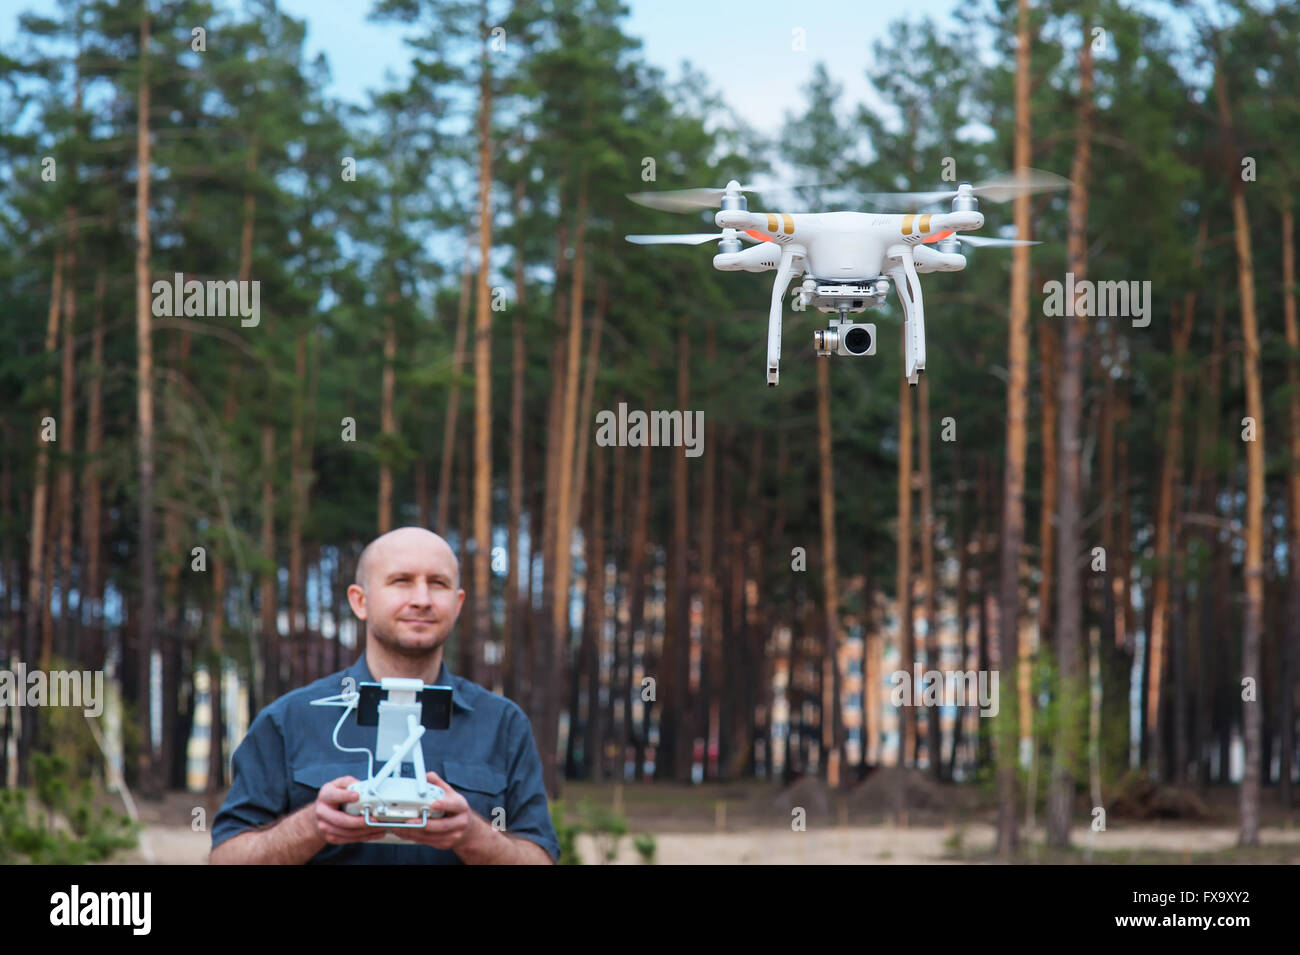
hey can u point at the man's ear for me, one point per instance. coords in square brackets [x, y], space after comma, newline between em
[460, 600]
[357, 601]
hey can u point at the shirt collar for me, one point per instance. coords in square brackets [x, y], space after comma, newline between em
[459, 688]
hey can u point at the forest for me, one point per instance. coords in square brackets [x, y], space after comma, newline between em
[1097, 504]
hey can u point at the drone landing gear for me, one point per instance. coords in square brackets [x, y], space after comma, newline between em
[908, 284]
[784, 272]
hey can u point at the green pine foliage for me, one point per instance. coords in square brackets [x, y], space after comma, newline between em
[61, 821]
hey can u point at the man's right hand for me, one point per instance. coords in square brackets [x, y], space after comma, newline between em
[334, 825]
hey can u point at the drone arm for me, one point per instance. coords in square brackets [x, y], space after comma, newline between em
[920, 225]
[784, 271]
[742, 219]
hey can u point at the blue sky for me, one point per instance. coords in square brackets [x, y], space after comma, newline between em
[745, 47]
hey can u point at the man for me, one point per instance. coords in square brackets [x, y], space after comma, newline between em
[290, 782]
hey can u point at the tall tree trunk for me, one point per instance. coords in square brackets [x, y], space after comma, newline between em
[582, 439]
[9, 571]
[834, 635]
[1112, 611]
[421, 479]
[1291, 633]
[216, 621]
[35, 644]
[1254, 558]
[1160, 608]
[963, 605]
[38, 596]
[173, 524]
[67, 433]
[299, 637]
[984, 572]
[719, 523]
[1121, 584]
[755, 667]
[705, 701]
[1050, 385]
[1204, 484]
[1013, 509]
[907, 652]
[1051, 376]
[144, 408]
[594, 755]
[1069, 636]
[675, 714]
[461, 640]
[932, 734]
[543, 653]
[269, 597]
[1167, 521]
[388, 427]
[636, 588]
[481, 631]
[453, 398]
[620, 674]
[562, 555]
[92, 509]
[582, 435]
[515, 607]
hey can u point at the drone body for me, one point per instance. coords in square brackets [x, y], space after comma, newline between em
[847, 260]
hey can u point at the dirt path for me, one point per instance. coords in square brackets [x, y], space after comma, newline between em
[874, 845]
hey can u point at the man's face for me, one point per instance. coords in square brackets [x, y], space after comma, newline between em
[412, 595]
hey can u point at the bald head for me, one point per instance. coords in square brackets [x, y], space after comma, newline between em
[408, 594]
[404, 544]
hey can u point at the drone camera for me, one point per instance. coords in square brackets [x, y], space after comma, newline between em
[849, 339]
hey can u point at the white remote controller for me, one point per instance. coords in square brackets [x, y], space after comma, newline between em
[396, 801]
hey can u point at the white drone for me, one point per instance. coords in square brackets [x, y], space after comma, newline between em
[847, 258]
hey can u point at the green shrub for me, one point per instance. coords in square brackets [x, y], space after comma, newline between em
[567, 834]
[645, 845]
[607, 826]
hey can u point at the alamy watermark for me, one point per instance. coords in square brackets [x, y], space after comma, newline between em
[77, 908]
[1087, 299]
[23, 687]
[658, 429]
[945, 688]
[211, 299]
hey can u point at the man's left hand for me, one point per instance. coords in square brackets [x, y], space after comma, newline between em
[451, 829]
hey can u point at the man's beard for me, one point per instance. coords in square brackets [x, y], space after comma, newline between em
[388, 639]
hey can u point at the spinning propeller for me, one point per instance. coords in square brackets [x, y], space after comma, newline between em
[998, 189]
[691, 238]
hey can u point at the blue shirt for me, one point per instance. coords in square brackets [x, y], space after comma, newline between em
[487, 755]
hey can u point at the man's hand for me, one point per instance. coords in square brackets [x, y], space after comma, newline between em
[334, 825]
[471, 836]
[451, 829]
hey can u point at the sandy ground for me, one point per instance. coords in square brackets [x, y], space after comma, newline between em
[882, 845]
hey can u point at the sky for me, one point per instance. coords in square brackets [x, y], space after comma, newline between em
[747, 48]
